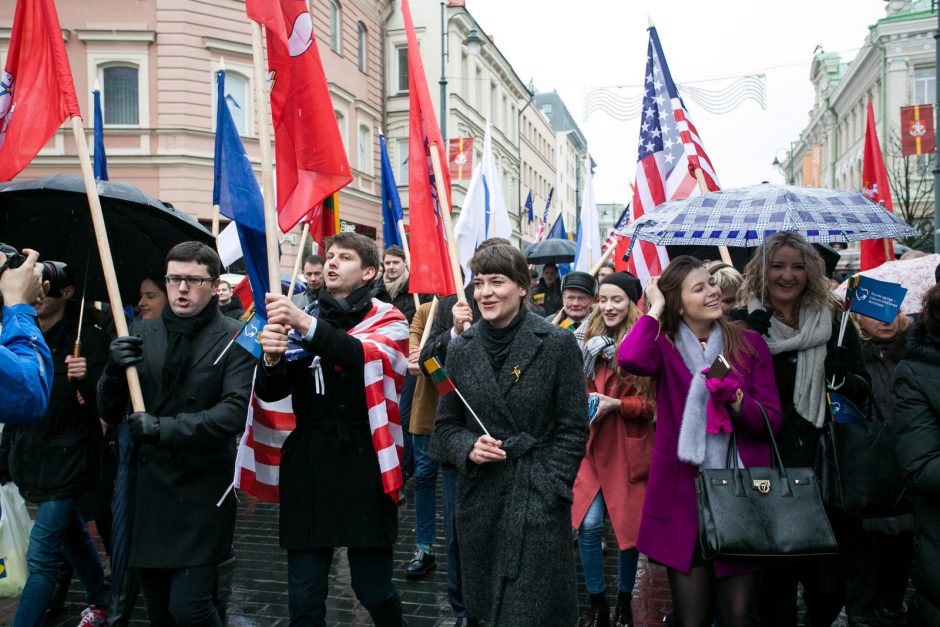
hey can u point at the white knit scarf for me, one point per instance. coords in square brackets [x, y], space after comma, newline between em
[809, 391]
[393, 286]
[696, 445]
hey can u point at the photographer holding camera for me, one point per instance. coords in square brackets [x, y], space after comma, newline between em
[25, 359]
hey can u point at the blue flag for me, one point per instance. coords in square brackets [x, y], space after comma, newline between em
[875, 299]
[391, 203]
[238, 196]
[843, 410]
[558, 229]
[247, 338]
[101, 159]
[528, 206]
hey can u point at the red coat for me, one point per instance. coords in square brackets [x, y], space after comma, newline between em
[617, 458]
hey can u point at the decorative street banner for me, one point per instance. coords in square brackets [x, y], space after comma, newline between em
[460, 158]
[876, 299]
[917, 133]
[812, 167]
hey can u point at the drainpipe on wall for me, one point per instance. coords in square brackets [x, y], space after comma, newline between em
[835, 144]
[884, 86]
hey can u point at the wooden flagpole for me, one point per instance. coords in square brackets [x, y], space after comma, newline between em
[444, 202]
[703, 186]
[300, 254]
[267, 159]
[215, 208]
[432, 313]
[404, 245]
[104, 249]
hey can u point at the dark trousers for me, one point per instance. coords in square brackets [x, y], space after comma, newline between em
[449, 505]
[404, 412]
[823, 592]
[877, 569]
[370, 572]
[181, 596]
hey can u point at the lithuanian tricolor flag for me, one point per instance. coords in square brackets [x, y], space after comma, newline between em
[439, 376]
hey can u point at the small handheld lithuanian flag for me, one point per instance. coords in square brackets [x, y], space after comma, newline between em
[439, 376]
[538, 298]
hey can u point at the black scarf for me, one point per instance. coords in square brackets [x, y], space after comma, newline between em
[180, 332]
[345, 313]
[497, 342]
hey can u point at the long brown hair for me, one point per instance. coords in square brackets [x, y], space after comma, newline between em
[670, 284]
[596, 326]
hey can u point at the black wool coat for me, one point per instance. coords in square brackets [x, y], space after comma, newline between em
[330, 484]
[917, 421]
[178, 481]
[514, 516]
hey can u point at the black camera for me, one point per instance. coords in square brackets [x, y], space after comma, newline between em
[57, 273]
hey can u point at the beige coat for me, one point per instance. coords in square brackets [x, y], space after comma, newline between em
[424, 402]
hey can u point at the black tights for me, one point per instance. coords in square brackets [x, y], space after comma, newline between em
[693, 598]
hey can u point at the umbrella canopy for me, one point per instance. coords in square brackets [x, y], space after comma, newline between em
[917, 275]
[743, 217]
[51, 215]
[551, 251]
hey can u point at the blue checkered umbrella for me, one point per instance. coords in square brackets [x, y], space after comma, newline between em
[745, 216]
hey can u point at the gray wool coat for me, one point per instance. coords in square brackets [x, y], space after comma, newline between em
[514, 516]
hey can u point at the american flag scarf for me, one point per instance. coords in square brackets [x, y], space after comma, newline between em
[384, 336]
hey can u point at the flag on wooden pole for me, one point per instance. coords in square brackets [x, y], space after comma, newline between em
[36, 90]
[431, 271]
[311, 159]
[875, 186]
[101, 158]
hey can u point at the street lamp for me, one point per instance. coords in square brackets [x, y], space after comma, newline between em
[473, 42]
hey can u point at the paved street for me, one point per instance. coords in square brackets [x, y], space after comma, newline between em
[256, 582]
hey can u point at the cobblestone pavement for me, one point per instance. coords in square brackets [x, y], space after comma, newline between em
[255, 584]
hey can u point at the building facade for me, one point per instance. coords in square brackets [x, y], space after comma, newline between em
[155, 63]
[538, 167]
[477, 88]
[894, 68]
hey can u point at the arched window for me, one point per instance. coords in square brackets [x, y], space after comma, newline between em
[121, 95]
[336, 27]
[362, 47]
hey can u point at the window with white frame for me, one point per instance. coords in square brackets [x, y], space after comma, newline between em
[120, 94]
[401, 52]
[363, 49]
[402, 161]
[925, 85]
[364, 148]
[237, 97]
[336, 27]
[341, 123]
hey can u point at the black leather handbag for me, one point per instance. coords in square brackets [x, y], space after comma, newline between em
[761, 512]
[857, 468]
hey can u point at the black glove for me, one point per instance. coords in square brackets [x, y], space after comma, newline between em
[123, 352]
[759, 321]
[144, 427]
[837, 364]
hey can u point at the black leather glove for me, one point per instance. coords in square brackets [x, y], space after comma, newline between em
[759, 321]
[123, 352]
[144, 427]
[837, 364]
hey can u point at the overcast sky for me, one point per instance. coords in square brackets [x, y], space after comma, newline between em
[575, 46]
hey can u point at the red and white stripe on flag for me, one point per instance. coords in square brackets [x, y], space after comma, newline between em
[384, 336]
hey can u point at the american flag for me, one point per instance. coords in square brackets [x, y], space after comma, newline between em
[384, 336]
[670, 151]
[543, 221]
[613, 237]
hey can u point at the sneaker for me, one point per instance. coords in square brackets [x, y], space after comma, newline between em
[93, 616]
[420, 566]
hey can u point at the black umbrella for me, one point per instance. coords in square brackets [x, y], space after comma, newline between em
[551, 251]
[51, 215]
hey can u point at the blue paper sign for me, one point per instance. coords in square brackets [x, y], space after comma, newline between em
[844, 411]
[876, 299]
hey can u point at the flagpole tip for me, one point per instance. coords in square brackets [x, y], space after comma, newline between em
[649, 21]
[97, 85]
[221, 64]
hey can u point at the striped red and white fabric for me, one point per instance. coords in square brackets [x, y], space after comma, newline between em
[670, 151]
[384, 336]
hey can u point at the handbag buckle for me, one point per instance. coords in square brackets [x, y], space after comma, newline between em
[762, 485]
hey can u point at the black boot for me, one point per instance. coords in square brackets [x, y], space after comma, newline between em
[623, 613]
[387, 613]
[599, 614]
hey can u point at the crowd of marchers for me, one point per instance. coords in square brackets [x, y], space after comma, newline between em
[583, 401]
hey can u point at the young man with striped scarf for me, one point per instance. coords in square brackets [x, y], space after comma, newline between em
[342, 362]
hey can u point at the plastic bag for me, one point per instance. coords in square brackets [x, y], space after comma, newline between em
[15, 525]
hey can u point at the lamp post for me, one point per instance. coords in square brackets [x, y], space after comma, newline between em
[473, 43]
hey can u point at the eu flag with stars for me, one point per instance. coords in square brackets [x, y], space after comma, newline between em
[101, 159]
[528, 206]
[238, 196]
[391, 202]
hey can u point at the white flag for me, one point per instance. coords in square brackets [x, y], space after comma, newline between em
[230, 247]
[589, 231]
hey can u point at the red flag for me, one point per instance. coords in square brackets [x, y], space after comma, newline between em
[36, 91]
[311, 160]
[917, 136]
[875, 185]
[243, 291]
[430, 261]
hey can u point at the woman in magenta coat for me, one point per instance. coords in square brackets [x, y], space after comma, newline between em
[613, 472]
[674, 343]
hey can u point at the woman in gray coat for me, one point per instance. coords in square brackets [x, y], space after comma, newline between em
[524, 379]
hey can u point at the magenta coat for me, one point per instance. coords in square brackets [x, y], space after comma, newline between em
[669, 526]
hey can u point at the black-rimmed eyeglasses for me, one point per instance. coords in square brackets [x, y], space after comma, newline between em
[191, 281]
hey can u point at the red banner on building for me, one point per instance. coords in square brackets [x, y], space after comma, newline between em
[460, 158]
[917, 133]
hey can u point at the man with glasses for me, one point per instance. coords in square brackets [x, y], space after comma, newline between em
[196, 395]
